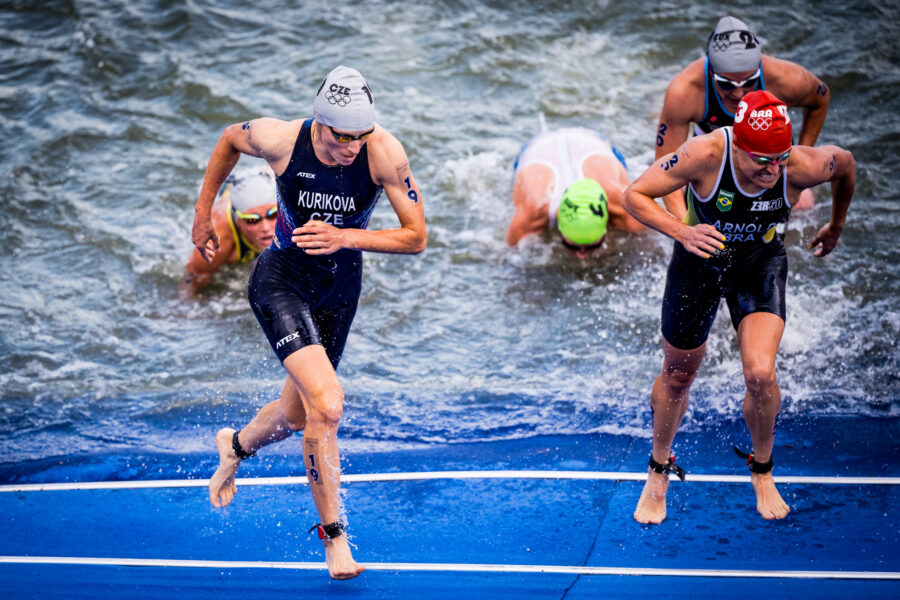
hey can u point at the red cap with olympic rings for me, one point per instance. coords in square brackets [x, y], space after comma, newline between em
[762, 124]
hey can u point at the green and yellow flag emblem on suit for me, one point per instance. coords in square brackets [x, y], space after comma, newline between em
[725, 200]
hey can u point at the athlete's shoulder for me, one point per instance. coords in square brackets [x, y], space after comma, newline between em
[706, 150]
[693, 76]
[383, 145]
[270, 138]
[792, 83]
[774, 66]
[270, 126]
[685, 93]
[222, 223]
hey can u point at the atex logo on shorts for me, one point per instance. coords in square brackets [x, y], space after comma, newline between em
[338, 94]
[287, 339]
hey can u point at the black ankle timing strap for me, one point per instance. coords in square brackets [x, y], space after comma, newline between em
[331, 531]
[668, 467]
[752, 464]
[238, 449]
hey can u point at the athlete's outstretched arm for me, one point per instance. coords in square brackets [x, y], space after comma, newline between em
[667, 174]
[262, 138]
[526, 220]
[809, 167]
[389, 166]
[531, 201]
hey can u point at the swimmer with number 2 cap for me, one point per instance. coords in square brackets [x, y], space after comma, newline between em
[708, 90]
[742, 183]
[330, 171]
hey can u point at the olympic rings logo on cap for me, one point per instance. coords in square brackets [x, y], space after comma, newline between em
[721, 42]
[759, 123]
[337, 98]
[760, 120]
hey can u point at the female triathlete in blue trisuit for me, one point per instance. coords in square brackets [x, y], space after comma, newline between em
[330, 171]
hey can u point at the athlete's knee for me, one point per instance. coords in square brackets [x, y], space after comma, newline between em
[760, 377]
[326, 406]
[678, 380]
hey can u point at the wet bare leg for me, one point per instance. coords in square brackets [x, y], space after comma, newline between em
[759, 335]
[270, 425]
[669, 399]
[323, 399]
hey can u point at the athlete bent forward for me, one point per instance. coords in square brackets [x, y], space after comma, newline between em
[742, 183]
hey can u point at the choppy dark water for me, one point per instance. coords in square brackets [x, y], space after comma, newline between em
[108, 112]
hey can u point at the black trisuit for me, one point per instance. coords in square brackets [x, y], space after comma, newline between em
[750, 272]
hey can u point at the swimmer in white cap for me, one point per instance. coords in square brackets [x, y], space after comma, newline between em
[570, 181]
[244, 219]
[330, 170]
[708, 90]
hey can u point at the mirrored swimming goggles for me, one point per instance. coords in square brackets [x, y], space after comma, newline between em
[765, 161]
[346, 138]
[252, 219]
[729, 84]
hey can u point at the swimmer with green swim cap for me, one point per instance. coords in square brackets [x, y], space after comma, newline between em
[583, 215]
[570, 180]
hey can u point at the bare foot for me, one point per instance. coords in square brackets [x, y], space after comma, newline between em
[221, 484]
[769, 502]
[339, 559]
[651, 508]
